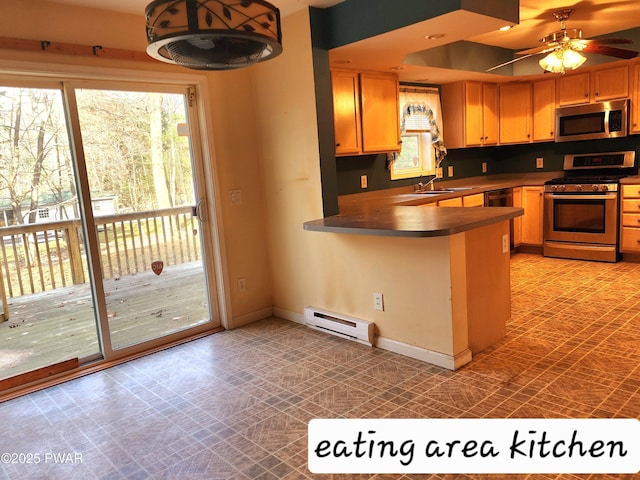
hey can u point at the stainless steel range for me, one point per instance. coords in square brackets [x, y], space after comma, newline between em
[581, 209]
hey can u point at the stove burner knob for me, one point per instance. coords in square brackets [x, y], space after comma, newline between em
[579, 188]
[604, 188]
[554, 188]
[595, 188]
[562, 188]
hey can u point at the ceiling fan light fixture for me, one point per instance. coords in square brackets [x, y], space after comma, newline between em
[560, 60]
[213, 34]
[572, 59]
[552, 62]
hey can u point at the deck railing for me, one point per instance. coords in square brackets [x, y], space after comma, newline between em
[45, 256]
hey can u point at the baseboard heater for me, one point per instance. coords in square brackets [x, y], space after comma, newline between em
[351, 328]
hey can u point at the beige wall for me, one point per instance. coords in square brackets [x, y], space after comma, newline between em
[234, 148]
[333, 271]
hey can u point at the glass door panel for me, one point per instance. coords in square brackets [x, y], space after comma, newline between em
[47, 303]
[137, 152]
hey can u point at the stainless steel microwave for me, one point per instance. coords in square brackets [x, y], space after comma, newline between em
[593, 120]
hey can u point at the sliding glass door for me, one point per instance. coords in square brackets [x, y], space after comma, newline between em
[140, 172]
[103, 250]
[49, 315]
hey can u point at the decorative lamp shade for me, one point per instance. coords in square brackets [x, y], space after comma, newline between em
[213, 34]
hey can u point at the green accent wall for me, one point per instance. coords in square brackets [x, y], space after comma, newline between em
[467, 162]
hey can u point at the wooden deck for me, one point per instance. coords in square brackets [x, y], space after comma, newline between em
[53, 326]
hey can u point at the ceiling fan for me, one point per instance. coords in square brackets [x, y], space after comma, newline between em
[564, 47]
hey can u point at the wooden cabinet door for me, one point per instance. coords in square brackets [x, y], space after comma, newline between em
[473, 114]
[544, 110]
[610, 83]
[490, 114]
[517, 221]
[380, 112]
[573, 89]
[634, 119]
[346, 112]
[515, 113]
[532, 202]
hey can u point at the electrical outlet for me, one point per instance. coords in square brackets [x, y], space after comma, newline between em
[439, 172]
[378, 302]
[242, 284]
[450, 171]
[484, 167]
[505, 243]
[363, 181]
[236, 197]
[539, 162]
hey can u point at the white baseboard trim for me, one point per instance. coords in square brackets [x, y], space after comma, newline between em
[289, 315]
[248, 318]
[436, 358]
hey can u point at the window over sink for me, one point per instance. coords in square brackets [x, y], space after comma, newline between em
[422, 148]
[415, 158]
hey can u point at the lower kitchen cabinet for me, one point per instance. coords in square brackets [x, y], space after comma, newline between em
[532, 203]
[517, 221]
[630, 219]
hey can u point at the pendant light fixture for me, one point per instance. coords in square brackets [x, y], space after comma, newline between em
[213, 34]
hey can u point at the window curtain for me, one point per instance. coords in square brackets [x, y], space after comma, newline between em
[420, 110]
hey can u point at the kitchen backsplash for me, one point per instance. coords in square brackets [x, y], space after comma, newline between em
[467, 162]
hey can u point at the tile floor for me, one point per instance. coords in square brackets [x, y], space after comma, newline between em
[235, 405]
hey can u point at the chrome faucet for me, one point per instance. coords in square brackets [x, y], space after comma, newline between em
[421, 187]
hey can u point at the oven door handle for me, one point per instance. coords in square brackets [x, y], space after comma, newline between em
[607, 196]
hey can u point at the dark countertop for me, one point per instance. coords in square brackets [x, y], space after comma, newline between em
[401, 212]
[630, 180]
[414, 221]
[368, 202]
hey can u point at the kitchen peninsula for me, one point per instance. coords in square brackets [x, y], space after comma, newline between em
[444, 274]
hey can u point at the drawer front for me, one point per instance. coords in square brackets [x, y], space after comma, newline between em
[631, 191]
[631, 206]
[476, 200]
[630, 241]
[631, 220]
[452, 202]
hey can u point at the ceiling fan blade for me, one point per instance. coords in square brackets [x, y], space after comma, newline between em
[610, 51]
[536, 50]
[509, 62]
[608, 41]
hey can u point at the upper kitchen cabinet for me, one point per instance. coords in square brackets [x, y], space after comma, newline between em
[634, 121]
[596, 86]
[610, 83]
[515, 113]
[544, 110]
[380, 112]
[366, 112]
[470, 114]
[346, 112]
